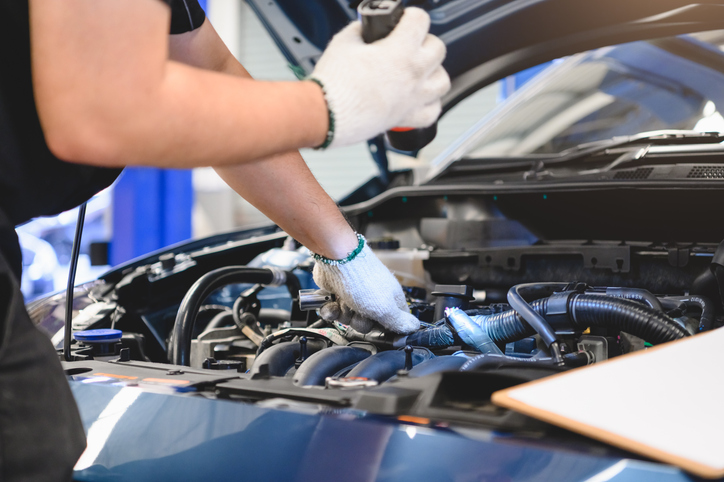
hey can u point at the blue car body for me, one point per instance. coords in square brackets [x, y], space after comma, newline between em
[145, 436]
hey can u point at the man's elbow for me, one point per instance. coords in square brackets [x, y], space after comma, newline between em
[73, 144]
[83, 142]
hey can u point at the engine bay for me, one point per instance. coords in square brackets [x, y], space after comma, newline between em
[241, 319]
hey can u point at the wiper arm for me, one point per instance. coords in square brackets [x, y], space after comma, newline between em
[536, 166]
[663, 137]
[625, 158]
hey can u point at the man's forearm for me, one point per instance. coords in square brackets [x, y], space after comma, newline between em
[107, 93]
[280, 186]
[283, 188]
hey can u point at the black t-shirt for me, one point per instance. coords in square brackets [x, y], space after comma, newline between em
[33, 182]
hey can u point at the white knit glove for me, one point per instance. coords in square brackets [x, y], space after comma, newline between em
[396, 81]
[366, 292]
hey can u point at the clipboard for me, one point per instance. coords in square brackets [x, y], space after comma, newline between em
[666, 403]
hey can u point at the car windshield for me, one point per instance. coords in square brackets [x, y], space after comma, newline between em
[616, 91]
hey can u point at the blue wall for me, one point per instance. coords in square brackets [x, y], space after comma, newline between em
[151, 209]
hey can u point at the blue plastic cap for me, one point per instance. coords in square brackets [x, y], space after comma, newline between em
[98, 336]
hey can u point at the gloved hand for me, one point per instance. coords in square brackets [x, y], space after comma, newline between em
[395, 81]
[366, 292]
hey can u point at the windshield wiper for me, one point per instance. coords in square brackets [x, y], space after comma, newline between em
[654, 138]
[535, 166]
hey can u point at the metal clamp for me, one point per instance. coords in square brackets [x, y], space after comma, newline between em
[314, 299]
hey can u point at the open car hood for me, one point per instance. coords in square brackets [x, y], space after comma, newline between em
[491, 39]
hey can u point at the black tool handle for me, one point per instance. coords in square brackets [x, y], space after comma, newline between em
[379, 18]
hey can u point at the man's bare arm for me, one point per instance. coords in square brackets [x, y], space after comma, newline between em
[107, 93]
[280, 186]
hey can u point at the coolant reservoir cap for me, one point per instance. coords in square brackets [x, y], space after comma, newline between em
[98, 336]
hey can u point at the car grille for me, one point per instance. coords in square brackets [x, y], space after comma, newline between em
[706, 172]
[640, 173]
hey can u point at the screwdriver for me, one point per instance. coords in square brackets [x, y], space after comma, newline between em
[379, 18]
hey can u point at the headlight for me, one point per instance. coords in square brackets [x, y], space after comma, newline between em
[48, 313]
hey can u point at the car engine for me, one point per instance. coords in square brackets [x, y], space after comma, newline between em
[548, 326]
[499, 304]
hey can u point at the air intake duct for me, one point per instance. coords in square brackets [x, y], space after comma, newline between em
[579, 311]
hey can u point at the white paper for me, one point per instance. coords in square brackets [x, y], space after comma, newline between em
[671, 398]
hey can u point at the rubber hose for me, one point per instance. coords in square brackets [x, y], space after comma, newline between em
[236, 309]
[269, 340]
[217, 308]
[385, 365]
[591, 310]
[706, 320]
[623, 315]
[527, 312]
[179, 352]
[247, 320]
[470, 332]
[326, 363]
[508, 326]
[437, 336]
[220, 319]
[679, 309]
[274, 316]
[635, 294]
[494, 360]
[438, 364]
[670, 304]
[281, 357]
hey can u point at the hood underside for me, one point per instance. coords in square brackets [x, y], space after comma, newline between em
[489, 40]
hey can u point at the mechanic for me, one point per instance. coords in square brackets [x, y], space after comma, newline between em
[89, 86]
